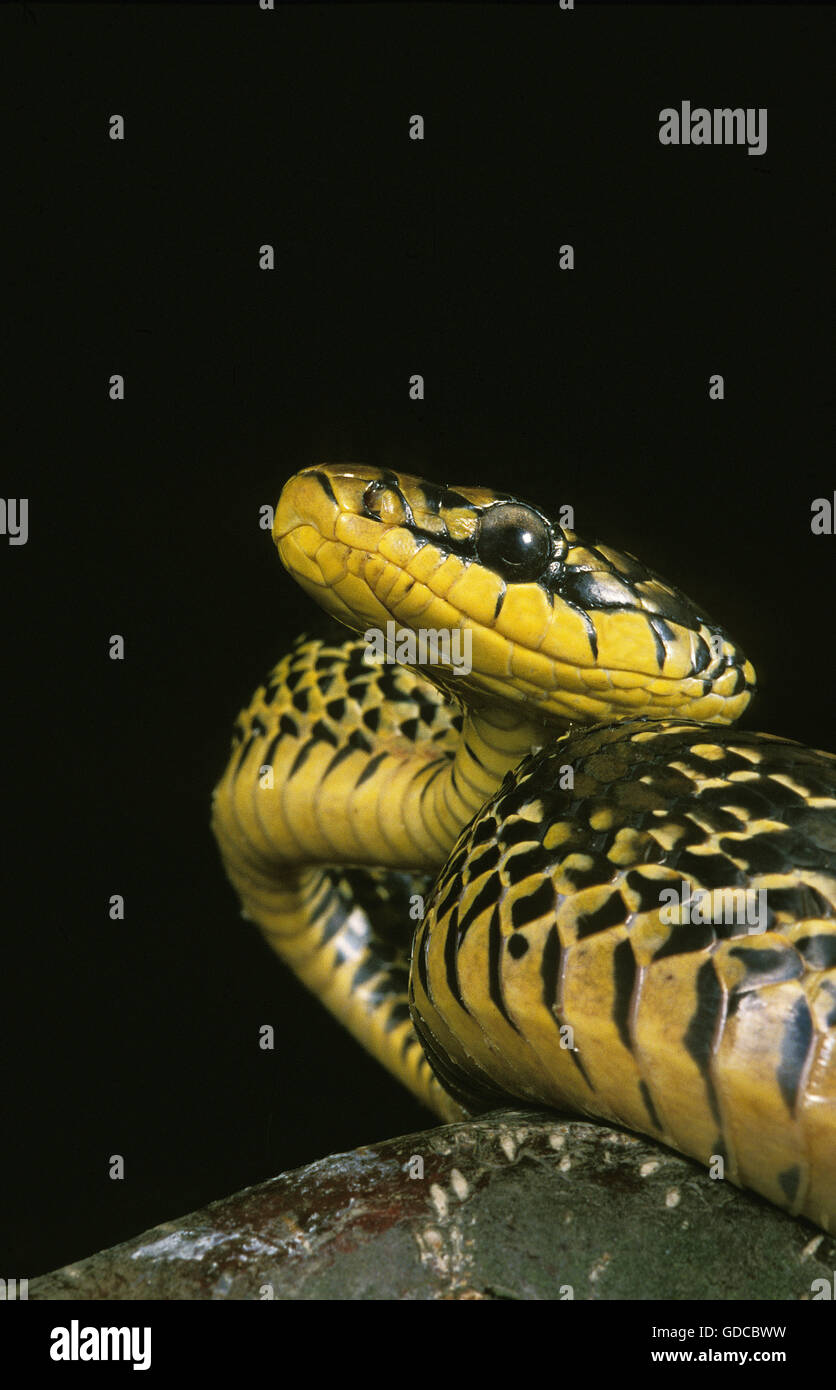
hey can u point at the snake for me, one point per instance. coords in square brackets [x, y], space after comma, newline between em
[554, 873]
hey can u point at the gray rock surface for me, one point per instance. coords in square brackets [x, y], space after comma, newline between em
[511, 1206]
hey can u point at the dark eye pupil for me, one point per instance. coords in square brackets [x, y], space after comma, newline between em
[515, 547]
[514, 541]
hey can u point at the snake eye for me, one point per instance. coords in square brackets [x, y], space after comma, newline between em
[514, 541]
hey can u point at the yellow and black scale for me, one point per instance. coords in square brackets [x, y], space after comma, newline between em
[546, 967]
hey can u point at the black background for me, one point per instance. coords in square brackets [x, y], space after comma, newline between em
[392, 257]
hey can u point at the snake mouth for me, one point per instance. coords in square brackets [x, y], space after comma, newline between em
[575, 632]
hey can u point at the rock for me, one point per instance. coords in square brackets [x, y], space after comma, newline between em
[513, 1205]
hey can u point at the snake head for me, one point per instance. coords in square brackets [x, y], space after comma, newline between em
[573, 631]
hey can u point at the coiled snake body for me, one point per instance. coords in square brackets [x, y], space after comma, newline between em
[570, 787]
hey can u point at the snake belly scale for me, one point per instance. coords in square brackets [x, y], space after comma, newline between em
[546, 967]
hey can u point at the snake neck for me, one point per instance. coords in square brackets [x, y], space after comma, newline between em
[393, 805]
[391, 787]
[443, 801]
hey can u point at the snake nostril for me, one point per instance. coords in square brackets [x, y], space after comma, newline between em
[372, 498]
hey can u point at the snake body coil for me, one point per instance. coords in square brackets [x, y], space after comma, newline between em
[569, 788]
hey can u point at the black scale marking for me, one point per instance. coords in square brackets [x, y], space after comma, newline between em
[625, 971]
[742, 794]
[650, 1107]
[495, 967]
[767, 965]
[550, 964]
[337, 760]
[598, 872]
[795, 1045]
[423, 967]
[325, 483]
[243, 755]
[647, 890]
[451, 958]
[398, 1015]
[485, 830]
[486, 897]
[611, 914]
[301, 757]
[268, 756]
[519, 831]
[764, 966]
[686, 938]
[366, 970]
[537, 904]
[370, 769]
[789, 1181]
[477, 760]
[702, 656]
[661, 635]
[334, 922]
[482, 863]
[550, 968]
[358, 742]
[456, 864]
[707, 870]
[763, 854]
[527, 864]
[818, 951]
[390, 689]
[448, 901]
[719, 819]
[699, 1035]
